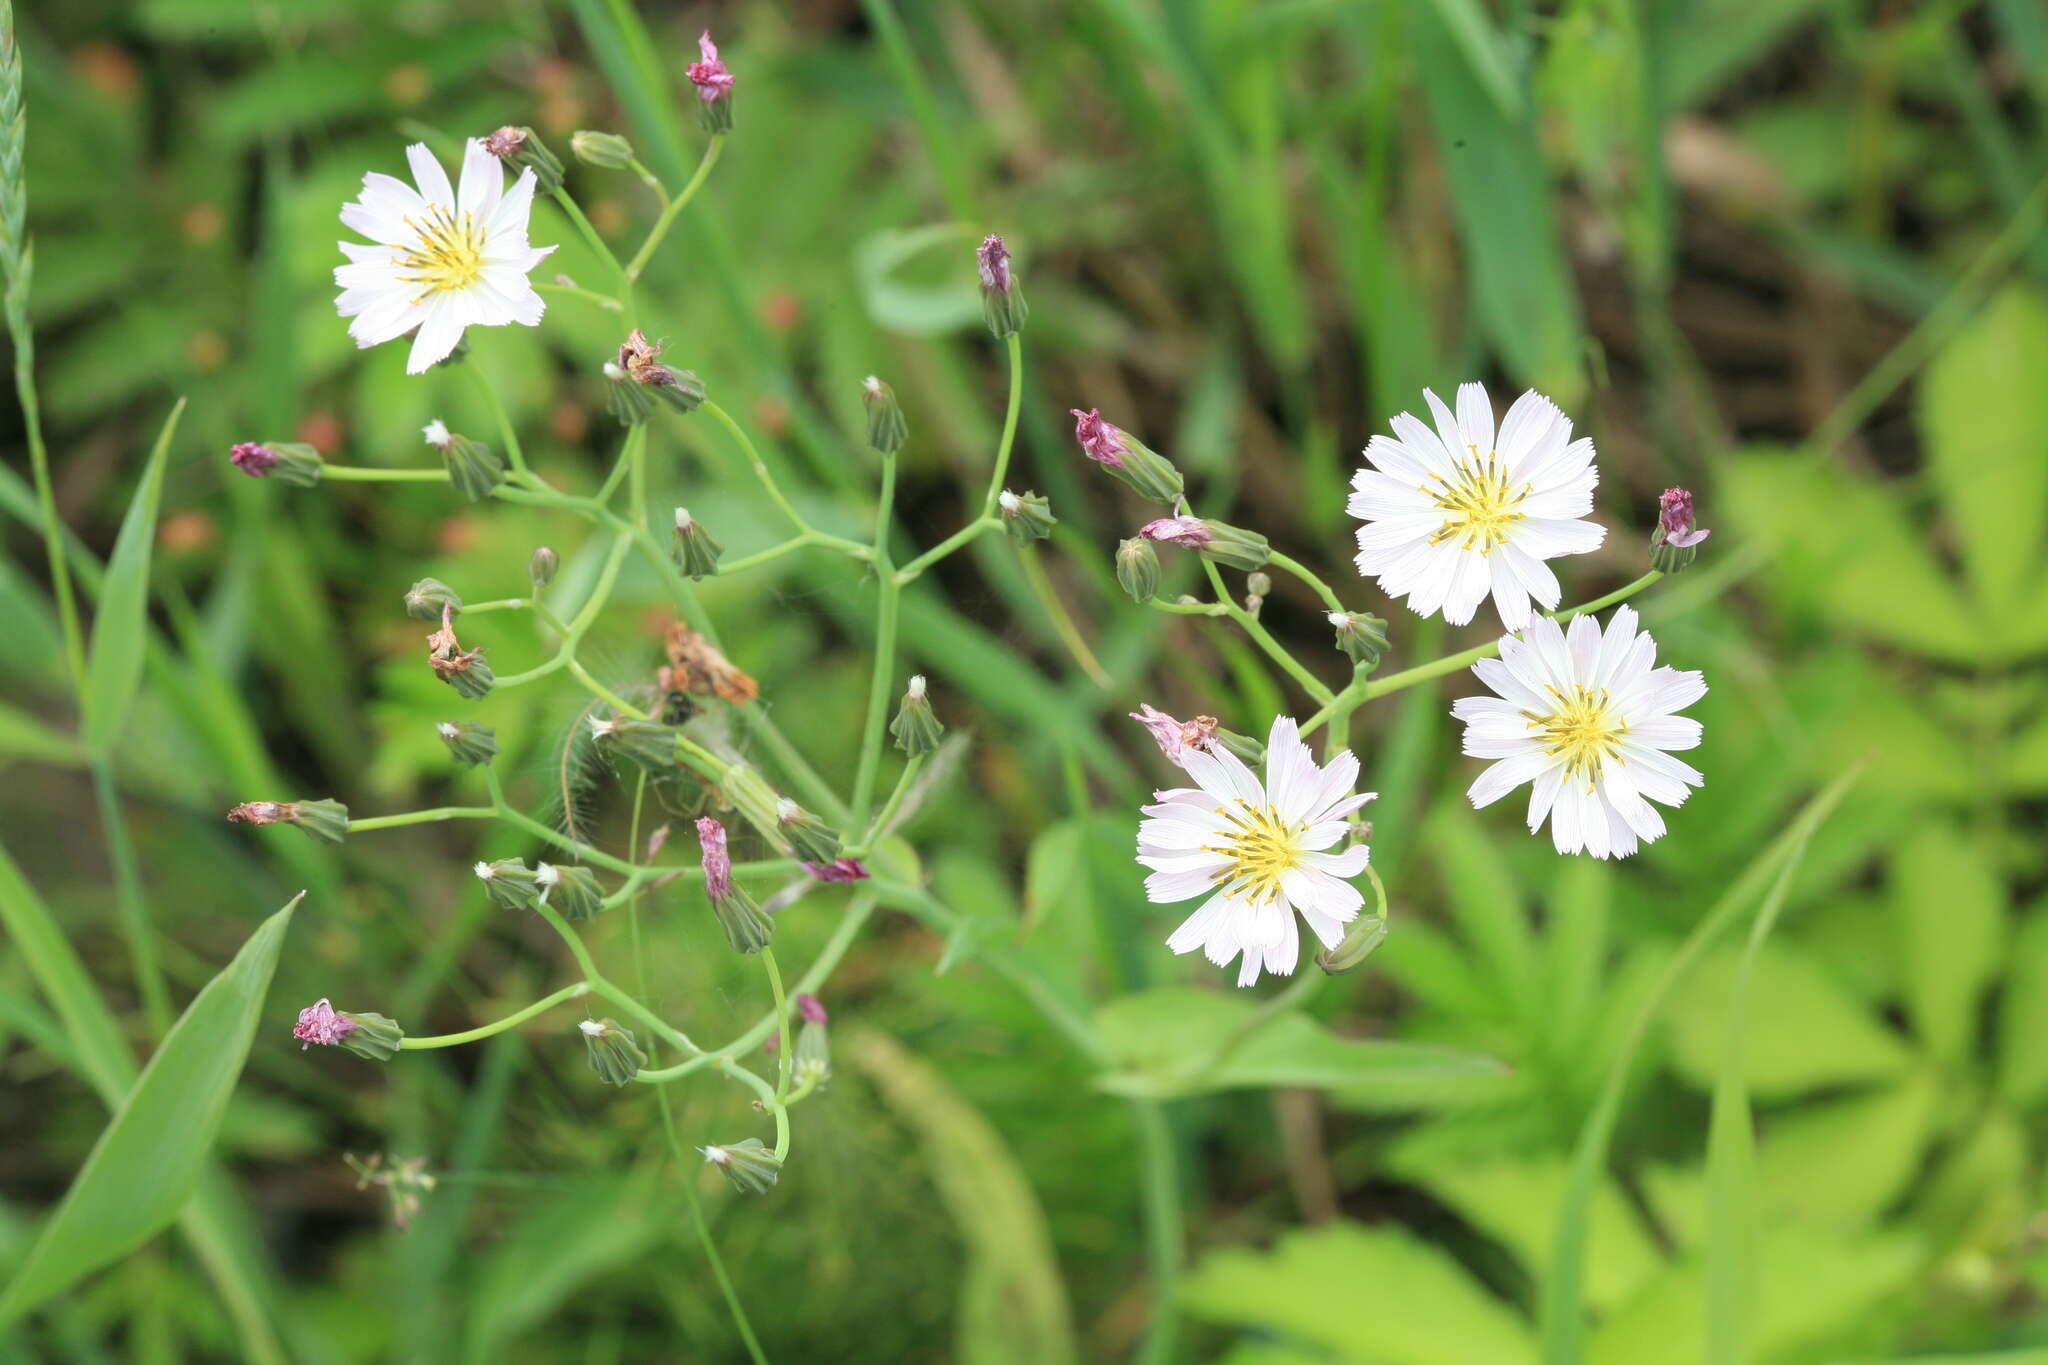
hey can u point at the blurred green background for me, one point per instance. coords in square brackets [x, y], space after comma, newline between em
[1785, 252]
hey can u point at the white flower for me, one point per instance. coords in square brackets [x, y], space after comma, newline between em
[1257, 851]
[441, 259]
[1588, 718]
[1454, 513]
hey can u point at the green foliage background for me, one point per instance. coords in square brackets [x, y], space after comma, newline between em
[1786, 252]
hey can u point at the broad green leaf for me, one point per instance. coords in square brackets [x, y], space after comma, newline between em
[1810, 1035]
[1056, 874]
[24, 736]
[148, 1160]
[1844, 1161]
[2026, 760]
[1179, 1041]
[912, 280]
[1984, 425]
[1486, 903]
[1575, 945]
[1361, 1294]
[2023, 1013]
[1978, 1195]
[120, 627]
[1948, 919]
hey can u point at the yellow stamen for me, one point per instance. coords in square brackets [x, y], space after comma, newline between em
[1479, 504]
[447, 253]
[1584, 730]
[1260, 846]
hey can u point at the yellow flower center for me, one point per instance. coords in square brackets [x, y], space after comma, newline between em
[1260, 846]
[447, 253]
[1479, 505]
[1584, 730]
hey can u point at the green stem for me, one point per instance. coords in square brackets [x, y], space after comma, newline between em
[760, 557]
[674, 207]
[704, 1237]
[1164, 1234]
[878, 699]
[506, 431]
[421, 817]
[541, 1006]
[629, 459]
[39, 461]
[358, 473]
[876, 830]
[577, 291]
[946, 547]
[1009, 439]
[1062, 624]
[781, 1023]
[596, 243]
[1280, 561]
[1278, 653]
[746, 445]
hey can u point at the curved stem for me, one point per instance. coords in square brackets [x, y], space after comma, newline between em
[1323, 590]
[1062, 623]
[781, 1023]
[673, 207]
[596, 243]
[506, 431]
[1278, 652]
[541, 1006]
[746, 445]
[706, 1240]
[880, 827]
[946, 547]
[760, 557]
[1009, 439]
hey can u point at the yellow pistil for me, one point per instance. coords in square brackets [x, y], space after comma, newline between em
[448, 254]
[1584, 730]
[1260, 846]
[1479, 504]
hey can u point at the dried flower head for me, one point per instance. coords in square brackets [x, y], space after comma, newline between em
[1176, 737]
[1100, 441]
[839, 870]
[695, 665]
[506, 143]
[717, 860]
[1190, 533]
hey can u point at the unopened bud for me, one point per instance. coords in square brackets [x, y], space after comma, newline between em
[1002, 299]
[751, 1166]
[1674, 544]
[322, 819]
[1251, 751]
[540, 568]
[1137, 569]
[614, 1056]
[1259, 585]
[714, 86]
[1146, 472]
[571, 890]
[696, 549]
[916, 729]
[648, 743]
[887, 430]
[520, 148]
[1027, 516]
[425, 599]
[1367, 932]
[509, 883]
[811, 839]
[1231, 546]
[1361, 635]
[629, 401]
[811, 1058]
[473, 467]
[747, 926]
[289, 462]
[639, 361]
[470, 744]
[751, 795]
[607, 150]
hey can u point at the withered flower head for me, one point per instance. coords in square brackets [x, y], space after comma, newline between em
[695, 665]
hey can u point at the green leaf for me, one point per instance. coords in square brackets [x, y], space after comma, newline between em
[1948, 916]
[1182, 1041]
[1486, 903]
[24, 736]
[120, 628]
[891, 267]
[1844, 1161]
[1056, 873]
[2023, 1014]
[148, 1160]
[1983, 412]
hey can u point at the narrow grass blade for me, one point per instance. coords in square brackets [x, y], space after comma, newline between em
[120, 628]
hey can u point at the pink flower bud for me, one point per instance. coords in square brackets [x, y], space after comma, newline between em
[253, 459]
[1100, 441]
[838, 870]
[1190, 533]
[717, 862]
[811, 1009]
[506, 143]
[1675, 516]
[319, 1023]
[712, 80]
[994, 260]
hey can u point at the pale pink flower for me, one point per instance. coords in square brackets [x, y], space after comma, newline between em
[712, 80]
[717, 862]
[252, 458]
[1675, 515]
[1176, 737]
[1187, 532]
[1100, 441]
[838, 870]
[319, 1023]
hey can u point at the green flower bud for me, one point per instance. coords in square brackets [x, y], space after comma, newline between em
[606, 150]
[751, 1166]
[521, 149]
[469, 674]
[1002, 298]
[1259, 585]
[1252, 751]
[540, 568]
[473, 467]
[1231, 546]
[753, 798]
[322, 819]
[916, 729]
[1026, 516]
[1140, 468]
[373, 1036]
[424, 600]
[812, 840]
[470, 744]
[614, 1056]
[509, 883]
[886, 428]
[630, 402]
[684, 392]
[1361, 635]
[1367, 932]
[748, 928]
[286, 461]
[1137, 569]
[811, 1059]
[648, 743]
[696, 550]
[571, 890]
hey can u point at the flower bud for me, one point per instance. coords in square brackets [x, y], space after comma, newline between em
[916, 729]
[747, 926]
[470, 744]
[473, 467]
[1137, 569]
[1146, 472]
[1361, 635]
[465, 670]
[839, 870]
[1002, 300]
[1026, 516]
[571, 890]
[509, 883]
[540, 568]
[614, 1056]
[714, 89]
[425, 599]
[521, 149]
[286, 461]
[887, 430]
[630, 403]
[367, 1035]
[1231, 546]
[811, 839]
[322, 819]
[1251, 751]
[639, 360]
[751, 1166]
[1259, 585]
[696, 550]
[753, 798]
[1673, 544]
[811, 1058]
[375, 1037]
[607, 150]
[648, 743]
[1367, 932]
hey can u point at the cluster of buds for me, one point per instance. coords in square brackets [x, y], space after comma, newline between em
[811, 1058]
[464, 670]
[608, 151]
[1231, 546]
[648, 743]
[289, 462]
[696, 550]
[750, 1165]
[1672, 544]
[1362, 636]
[473, 467]
[509, 883]
[521, 149]
[1027, 516]
[614, 1055]
[571, 890]
[638, 378]
[1002, 298]
[916, 728]
[367, 1035]
[322, 819]
[1140, 468]
[469, 744]
[887, 431]
[1258, 586]
[747, 926]
[714, 86]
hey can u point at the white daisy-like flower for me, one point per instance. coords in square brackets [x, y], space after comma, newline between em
[1588, 717]
[442, 259]
[1257, 850]
[1455, 513]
